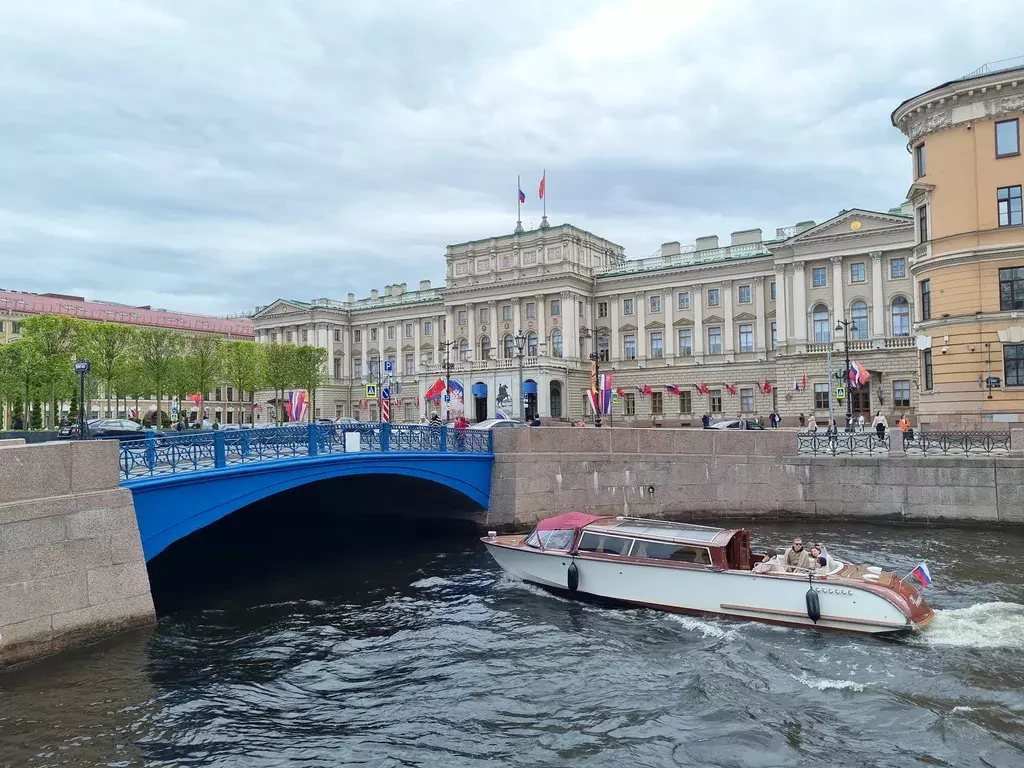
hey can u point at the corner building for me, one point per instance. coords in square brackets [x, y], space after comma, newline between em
[964, 139]
[728, 316]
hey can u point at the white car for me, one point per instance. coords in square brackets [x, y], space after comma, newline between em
[492, 423]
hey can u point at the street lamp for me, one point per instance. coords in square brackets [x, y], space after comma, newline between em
[595, 369]
[520, 341]
[844, 326]
[448, 366]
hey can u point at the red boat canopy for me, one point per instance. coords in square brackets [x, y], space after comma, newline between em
[568, 520]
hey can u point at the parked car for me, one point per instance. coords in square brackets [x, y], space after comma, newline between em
[120, 429]
[71, 430]
[494, 423]
[736, 424]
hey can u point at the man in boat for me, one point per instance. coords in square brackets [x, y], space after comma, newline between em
[796, 556]
[769, 564]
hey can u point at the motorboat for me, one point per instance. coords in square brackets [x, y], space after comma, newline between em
[698, 569]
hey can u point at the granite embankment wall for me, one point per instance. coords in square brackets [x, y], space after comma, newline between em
[71, 564]
[691, 474]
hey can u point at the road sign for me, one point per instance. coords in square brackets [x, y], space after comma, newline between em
[840, 393]
[82, 366]
[385, 411]
[385, 393]
[993, 382]
[371, 391]
[447, 398]
[388, 366]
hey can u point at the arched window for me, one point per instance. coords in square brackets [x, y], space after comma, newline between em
[602, 348]
[859, 318]
[900, 316]
[464, 350]
[822, 324]
[531, 344]
[556, 342]
[510, 346]
[485, 348]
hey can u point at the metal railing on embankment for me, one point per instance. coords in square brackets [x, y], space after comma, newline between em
[914, 443]
[154, 456]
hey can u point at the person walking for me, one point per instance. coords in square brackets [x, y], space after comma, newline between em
[880, 425]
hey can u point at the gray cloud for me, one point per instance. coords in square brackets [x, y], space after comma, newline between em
[213, 156]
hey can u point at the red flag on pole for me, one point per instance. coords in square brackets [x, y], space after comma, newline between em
[540, 189]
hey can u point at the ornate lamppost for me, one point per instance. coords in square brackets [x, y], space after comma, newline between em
[844, 326]
[520, 341]
[448, 367]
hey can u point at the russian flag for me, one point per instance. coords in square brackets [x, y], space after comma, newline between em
[672, 388]
[522, 196]
[921, 574]
[455, 387]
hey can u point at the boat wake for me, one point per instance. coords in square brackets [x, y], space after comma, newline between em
[824, 684]
[984, 625]
[707, 627]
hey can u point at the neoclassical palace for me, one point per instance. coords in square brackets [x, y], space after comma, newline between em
[925, 297]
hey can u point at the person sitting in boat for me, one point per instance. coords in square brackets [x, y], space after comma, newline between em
[770, 563]
[816, 559]
[796, 556]
[824, 553]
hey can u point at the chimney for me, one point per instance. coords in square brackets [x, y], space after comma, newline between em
[746, 237]
[707, 242]
[670, 249]
[405, 287]
[373, 295]
[351, 298]
[387, 290]
[803, 226]
[424, 285]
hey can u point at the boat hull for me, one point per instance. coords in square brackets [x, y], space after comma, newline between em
[778, 599]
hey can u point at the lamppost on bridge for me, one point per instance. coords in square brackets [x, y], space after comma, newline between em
[520, 341]
[844, 326]
[448, 366]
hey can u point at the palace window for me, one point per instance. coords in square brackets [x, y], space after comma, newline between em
[629, 347]
[857, 274]
[391, 332]
[922, 223]
[337, 334]
[900, 316]
[485, 348]
[901, 393]
[657, 404]
[464, 350]
[819, 277]
[926, 367]
[821, 397]
[506, 313]
[1008, 199]
[556, 343]
[920, 167]
[1008, 138]
[602, 349]
[744, 294]
[483, 314]
[305, 336]
[686, 341]
[685, 402]
[288, 336]
[746, 338]
[771, 290]
[897, 269]
[357, 336]
[428, 328]
[657, 344]
[463, 317]
[508, 346]
[714, 298]
[714, 341]
[357, 367]
[926, 299]
[410, 363]
[716, 400]
[747, 400]
[337, 367]
[1013, 364]
[531, 309]
[684, 300]
[556, 308]
[531, 344]
[602, 309]
[859, 316]
[629, 404]
[1011, 289]
[655, 303]
[775, 336]
[408, 330]
[822, 324]
[627, 306]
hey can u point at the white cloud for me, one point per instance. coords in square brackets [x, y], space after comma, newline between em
[212, 156]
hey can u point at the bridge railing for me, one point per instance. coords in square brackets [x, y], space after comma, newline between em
[154, 456]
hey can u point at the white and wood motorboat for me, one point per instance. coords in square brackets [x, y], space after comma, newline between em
[703, 570]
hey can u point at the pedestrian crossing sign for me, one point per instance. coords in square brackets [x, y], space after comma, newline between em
[840, 393]
[371, 391]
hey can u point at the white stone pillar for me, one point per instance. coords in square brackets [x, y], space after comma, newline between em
[781, 306]
[761, 343]
[541, 309]
[697, 303]
[517, 315]
[799, 303]
[570, 326]
[543, 395]
[471, 320]
[449, 329]
[730, 345]
[417, 328]
[877, 298]
[640, 307]
[671, 337]
[839, 308]
[364, 333]
[613, 340]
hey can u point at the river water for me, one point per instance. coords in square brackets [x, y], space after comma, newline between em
[379, 649]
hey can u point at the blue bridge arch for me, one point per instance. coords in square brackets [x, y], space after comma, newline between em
[183, 483]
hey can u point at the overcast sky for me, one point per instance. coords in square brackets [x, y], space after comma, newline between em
[212, 156]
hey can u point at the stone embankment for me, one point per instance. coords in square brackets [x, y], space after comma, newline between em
[692, 474]
[71, 564]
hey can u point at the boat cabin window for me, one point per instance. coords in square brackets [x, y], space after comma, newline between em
[609, 545]
[680, 553]
[559, 538]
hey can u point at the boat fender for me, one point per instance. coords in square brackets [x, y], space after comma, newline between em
[573, 577]
[813, 608]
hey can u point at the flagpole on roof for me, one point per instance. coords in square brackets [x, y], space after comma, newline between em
[544, 196]
[519, 205]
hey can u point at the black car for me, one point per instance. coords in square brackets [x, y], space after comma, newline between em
[121, 429]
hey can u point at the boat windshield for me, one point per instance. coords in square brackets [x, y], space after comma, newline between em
[558, 538]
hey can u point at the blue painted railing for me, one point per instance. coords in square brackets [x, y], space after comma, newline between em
[153, 456]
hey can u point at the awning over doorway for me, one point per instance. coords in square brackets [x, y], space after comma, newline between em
[479, 389]
[530, 387]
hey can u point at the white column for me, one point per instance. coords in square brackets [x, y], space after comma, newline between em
[543, 394]
[517, 315]
[570, 326]
[837, 288]
[669, 308]
[799, 303]
[640, 307]
[613, 316]
[493, 334]
[471, 319]
[417, 329]
[761, 342]
[877, 299]
[382, 342]
[697, 303]
[364, 333]
[541, 339]
[730, 346]
[781, 305]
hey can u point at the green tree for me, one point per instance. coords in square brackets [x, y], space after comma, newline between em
[311, 373]
[159, 354]
[22, 375]
[54, 339]
[108, 348]
[132, 384]
[204, 364]
[37, 414]
[73, 408]
[245, 369]
[10, 381]
[280, 372]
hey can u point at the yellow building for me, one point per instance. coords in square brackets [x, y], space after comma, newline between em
[968, 260]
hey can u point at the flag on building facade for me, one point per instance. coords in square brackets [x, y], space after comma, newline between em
[620, 392]
[731, 388]
[606, 392]
[435, 390]
[859, 375]
[767, 387]
[672, 388]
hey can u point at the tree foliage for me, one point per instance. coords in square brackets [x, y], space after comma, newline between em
[159, 354]
[204, 365]
[310, 367]
[281, 372]
[109, 348]
[53, 339]
[245, 368]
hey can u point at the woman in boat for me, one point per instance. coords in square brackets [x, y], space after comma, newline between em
[770, 564]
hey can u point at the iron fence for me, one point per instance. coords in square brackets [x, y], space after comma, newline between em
[842, 444]
[927, 443]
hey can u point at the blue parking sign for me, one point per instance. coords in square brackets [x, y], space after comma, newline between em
[388, 366]
[447, 398]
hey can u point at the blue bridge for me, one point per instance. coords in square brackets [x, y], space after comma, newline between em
[183, 482]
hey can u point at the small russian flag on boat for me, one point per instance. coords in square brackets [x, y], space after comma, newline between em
[921, 574]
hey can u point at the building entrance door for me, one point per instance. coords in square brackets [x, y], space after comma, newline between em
[861, 400]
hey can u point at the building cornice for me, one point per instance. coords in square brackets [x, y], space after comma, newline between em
[974, 256]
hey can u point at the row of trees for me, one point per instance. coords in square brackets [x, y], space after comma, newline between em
[131, 363]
